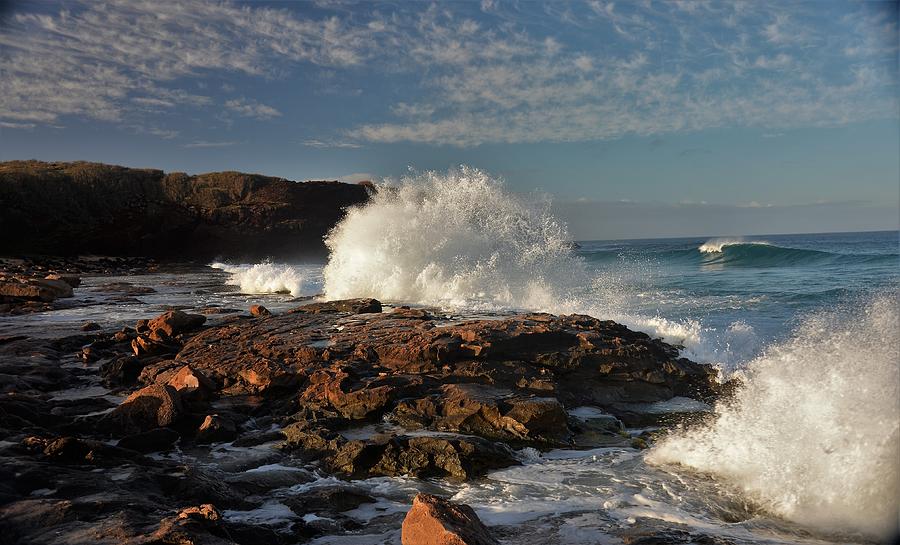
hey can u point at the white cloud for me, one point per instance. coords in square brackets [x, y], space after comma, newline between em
[637, 69]
[208, 144]
[325, 144]
[250, 108]
[99, 60]
[9, 125]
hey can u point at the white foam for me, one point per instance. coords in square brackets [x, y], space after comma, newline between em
[814, 433]
[454, 240]
[716, 245]
[266, 277]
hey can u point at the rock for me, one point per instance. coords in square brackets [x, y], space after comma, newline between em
[353, 306]
[207, 511]
[158, 439]
[121, 371]
[488, 412]
[191, 384]
[215, 429]
[30, 290]
[259, 310]
[435, 521]
[144, 346]
[90, 326]
[175, 322]
[91, 208]
[70, 279]
[154, 406]
[68, 450]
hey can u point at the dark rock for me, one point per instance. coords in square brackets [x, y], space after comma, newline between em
[91, 208]
[435, 521]
[121, 371]
[216, 429]
[158, 439]
[91, 326]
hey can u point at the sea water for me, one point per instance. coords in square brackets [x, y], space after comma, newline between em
[807, 451]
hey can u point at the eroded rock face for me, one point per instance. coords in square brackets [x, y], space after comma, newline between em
[81, 208]
[435, 521]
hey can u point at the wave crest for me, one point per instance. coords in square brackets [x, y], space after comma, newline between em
[716, 245]
[454, 239]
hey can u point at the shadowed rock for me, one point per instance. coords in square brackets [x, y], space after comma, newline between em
[79, 208]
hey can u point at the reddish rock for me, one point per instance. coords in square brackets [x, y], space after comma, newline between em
[175, 322]
[435, 521]
[259, 310]
[352, 306]
[70, 279]
[191, 384]
[154, 406]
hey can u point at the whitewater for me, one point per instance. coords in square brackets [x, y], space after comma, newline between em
[806, 450]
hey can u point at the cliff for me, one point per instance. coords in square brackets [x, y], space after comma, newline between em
[77, 208]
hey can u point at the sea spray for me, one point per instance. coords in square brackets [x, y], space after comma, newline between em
[455, 240]
[459, 240]
[813, 434]
[265, 277]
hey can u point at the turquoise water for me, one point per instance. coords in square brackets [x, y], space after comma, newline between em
[765, 284]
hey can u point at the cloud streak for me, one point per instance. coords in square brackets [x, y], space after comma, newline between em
[472, 74]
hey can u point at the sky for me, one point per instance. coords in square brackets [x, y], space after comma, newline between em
[638, 119]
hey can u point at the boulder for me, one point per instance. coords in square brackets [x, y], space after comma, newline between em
[191, 385]
[436, 521]
[216, 429]
[175, 322]
[259, 310]
[121, 371]
[489, 412]
[154, 406]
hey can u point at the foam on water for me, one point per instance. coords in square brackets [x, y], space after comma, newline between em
[455, 240]
[813, 434]
[716, 245]
[265, 277]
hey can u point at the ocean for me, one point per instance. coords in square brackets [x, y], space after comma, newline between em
[806, 452]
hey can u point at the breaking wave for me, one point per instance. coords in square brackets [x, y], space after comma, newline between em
[458, 240]
[454, 240]
[264, 277]
[716, 245]
[813, 434]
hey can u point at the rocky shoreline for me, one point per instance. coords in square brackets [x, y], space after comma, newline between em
[219, 418]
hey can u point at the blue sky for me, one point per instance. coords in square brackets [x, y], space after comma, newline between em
[701, 118]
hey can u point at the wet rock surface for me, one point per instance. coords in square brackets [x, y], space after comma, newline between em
[257, 428]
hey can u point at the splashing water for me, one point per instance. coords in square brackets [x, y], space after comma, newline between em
[264, 277]
[459, 241]
[716, 245]
[454, 240]
[813, 434]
